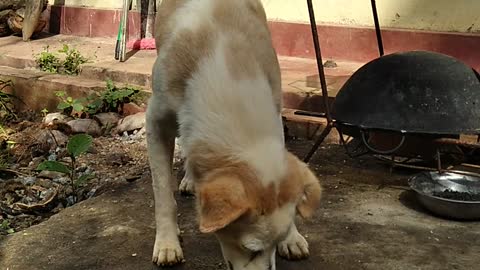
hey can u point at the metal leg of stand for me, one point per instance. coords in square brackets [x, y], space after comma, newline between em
[318, 142]
[377, 28]
[323, 82]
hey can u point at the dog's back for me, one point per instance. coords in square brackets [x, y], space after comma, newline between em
[218, 63]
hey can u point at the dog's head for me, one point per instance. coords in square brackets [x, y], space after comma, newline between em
[249, 219]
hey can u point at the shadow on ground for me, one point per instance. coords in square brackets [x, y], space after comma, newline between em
[358, 226]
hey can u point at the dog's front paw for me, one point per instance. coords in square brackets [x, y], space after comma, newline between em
[167, 253]
[186, 186]
[294, 247]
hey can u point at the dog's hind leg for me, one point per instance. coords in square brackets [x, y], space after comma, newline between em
[186, 185]
[161, 130]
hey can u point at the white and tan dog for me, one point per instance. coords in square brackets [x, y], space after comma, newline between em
[217, 80]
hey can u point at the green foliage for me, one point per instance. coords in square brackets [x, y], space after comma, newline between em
[73, 60]
[76, 146]
[112, 98]
[5, 226]
[69, 105]
[53, 166]
[69, 64]
[48, 61]
[79, 144]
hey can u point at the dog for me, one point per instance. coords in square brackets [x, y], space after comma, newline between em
[217, 87]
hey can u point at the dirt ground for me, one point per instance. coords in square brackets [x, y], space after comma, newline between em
[368, 220]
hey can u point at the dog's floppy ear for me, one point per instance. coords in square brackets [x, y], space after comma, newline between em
[305, 184]
[312, 192]
[222, 200]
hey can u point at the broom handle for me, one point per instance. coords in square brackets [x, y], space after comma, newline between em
[123, 43]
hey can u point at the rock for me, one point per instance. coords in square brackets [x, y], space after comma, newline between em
[107, 119]
[330, 64]
[46, 183]
[131, 109]
[35, 162]
[28, 180]
[62, 180]
[117, 159]
[91, 193]
[52, 138]
[131, 123]
[49, 118]
[88, 126]
[50, 175]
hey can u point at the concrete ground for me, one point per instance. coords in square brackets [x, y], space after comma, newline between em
[368, 219]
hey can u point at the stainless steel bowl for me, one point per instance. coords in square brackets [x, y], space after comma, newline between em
[428, 184]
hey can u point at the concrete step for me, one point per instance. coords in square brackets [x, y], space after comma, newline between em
[301, 89]
[35, 90]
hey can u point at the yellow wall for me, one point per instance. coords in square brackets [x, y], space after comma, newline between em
[435, 15]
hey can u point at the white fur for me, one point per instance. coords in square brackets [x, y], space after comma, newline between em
[237, 115]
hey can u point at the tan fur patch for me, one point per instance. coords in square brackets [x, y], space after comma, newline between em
[299, 185]
[242, 54]
[162, 28]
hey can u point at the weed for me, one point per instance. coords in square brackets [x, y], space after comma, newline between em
[44, 112]
[5, 227]
[73, 60]
[76, 146]
[69, 65]
[69, 105]
[112, 98]
[48, 61]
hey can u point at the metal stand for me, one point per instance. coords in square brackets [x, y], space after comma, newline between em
[321, 72]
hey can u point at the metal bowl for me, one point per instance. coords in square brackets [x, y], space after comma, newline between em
[427, 185]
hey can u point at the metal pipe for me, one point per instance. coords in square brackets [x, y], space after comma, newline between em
[377, 28]
[318, 54]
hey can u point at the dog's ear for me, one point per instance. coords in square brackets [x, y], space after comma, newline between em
[303, 185]
[222, 200]
[312, 192]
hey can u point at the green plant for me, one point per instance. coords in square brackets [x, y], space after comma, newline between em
[5, 226]
[44, 112]
[69, 105]
[70, 64]
[76, 146]
[48, 61]
[73, 60]
[111, 99]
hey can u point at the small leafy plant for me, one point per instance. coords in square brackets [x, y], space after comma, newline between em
[73, 60]
[5, 226]
[69, 64]
[76, 146]
[112, 99]
[69, 105]
[48, 61]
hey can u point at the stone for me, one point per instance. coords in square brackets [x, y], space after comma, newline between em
[107, 119]
[50, 175]
[49, 118]
[131, 123]
[35, 162]
[131, 109]
[52, 138]
[88, 126]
